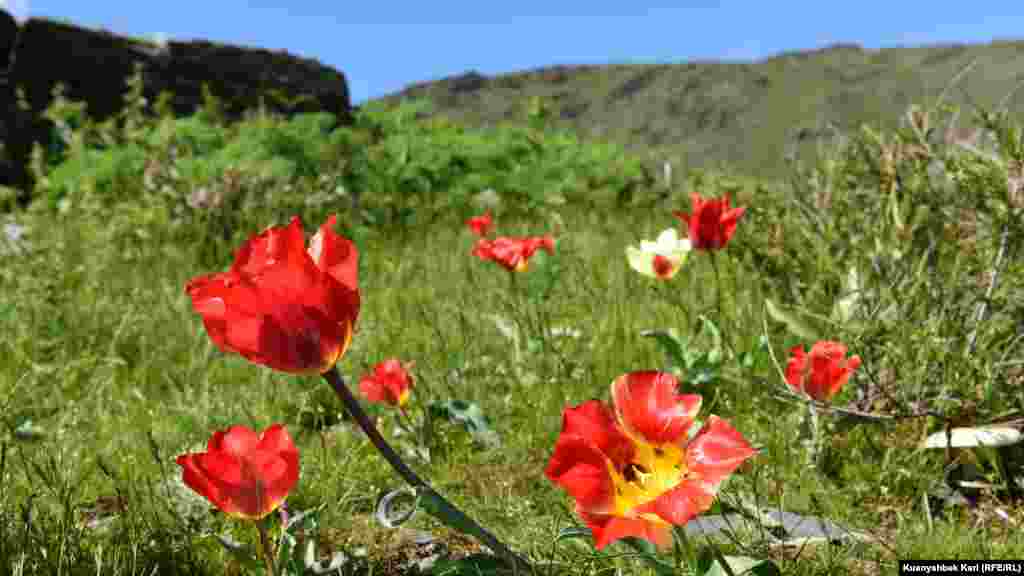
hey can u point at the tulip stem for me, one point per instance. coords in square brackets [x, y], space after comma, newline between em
[718, 304]
[422, 488]
[268, 550]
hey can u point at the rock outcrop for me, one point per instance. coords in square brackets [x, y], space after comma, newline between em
[94, 66]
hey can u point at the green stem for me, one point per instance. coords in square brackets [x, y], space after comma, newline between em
[812, 424]
[356, 411]
[268, 549]
[718, 304]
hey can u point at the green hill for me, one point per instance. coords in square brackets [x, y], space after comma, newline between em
[745, 116]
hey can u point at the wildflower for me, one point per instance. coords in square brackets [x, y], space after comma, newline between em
[661, 258]
[633, 467]
[390, 383]
[244, 474]
[512, 253]
[281, 305]
[481, 225]
[821, 373]
[712, 223]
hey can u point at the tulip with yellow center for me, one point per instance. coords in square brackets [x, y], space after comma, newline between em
[633, 468]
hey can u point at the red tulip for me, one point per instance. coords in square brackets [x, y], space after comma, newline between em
[281, 305]
[481, 225]
[712, 223]
[244, 474]
[390, 384]
[821, 373]
[512, 253]
[633, 468]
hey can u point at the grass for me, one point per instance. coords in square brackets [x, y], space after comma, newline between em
[106, 373]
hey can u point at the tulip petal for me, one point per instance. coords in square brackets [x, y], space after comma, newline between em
[595, 423]
[580, 468]
[717, 451]
[606, 529]
[682, 503]
[640, 261]
[648, 407]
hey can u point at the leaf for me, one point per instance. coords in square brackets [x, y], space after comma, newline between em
[842, 310]
[710, 565]
[576, 532]
[472, 565]
[796, 325]
[671, 344]
[543, 275]
[469, 415]
[27, 430]
[972, 437]
[242, 553]
[649, 552]
[715, 354]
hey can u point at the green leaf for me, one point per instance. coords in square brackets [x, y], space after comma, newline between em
[543, 275]
[469, 415]
[472, 565]
[715, 354]
[795, 324]
[649, 552]
[245, 556]
[671, 344]
[576, 532]
[711, 564]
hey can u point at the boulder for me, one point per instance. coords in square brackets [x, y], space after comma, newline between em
[94, 66]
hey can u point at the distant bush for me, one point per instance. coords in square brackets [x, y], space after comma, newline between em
[394, 168]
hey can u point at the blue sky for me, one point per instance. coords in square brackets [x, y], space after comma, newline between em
[382, 46]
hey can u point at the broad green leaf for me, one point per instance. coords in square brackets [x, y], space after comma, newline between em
[795, 324]
[710, 564]
[715, 354]
[671, 344]
[245, 556]
[472, 565]
[649, 552]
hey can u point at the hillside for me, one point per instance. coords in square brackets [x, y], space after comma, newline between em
[746, 116]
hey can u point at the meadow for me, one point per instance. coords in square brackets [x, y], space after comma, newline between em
[903, 245]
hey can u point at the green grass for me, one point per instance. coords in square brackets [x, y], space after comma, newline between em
[106, 373]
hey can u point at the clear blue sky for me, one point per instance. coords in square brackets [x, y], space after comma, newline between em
[382, 46]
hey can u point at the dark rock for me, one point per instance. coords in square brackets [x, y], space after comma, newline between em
[789, 526]
[94, 66]
[8, 35]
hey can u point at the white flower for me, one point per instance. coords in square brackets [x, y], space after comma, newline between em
[661, 258]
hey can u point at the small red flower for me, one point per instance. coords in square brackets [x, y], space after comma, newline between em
[712, 223]
[633, 468]
[481, 225]
[512, 253]
[821, 373]
[244, 474]
[390, 383]
[281, 305]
